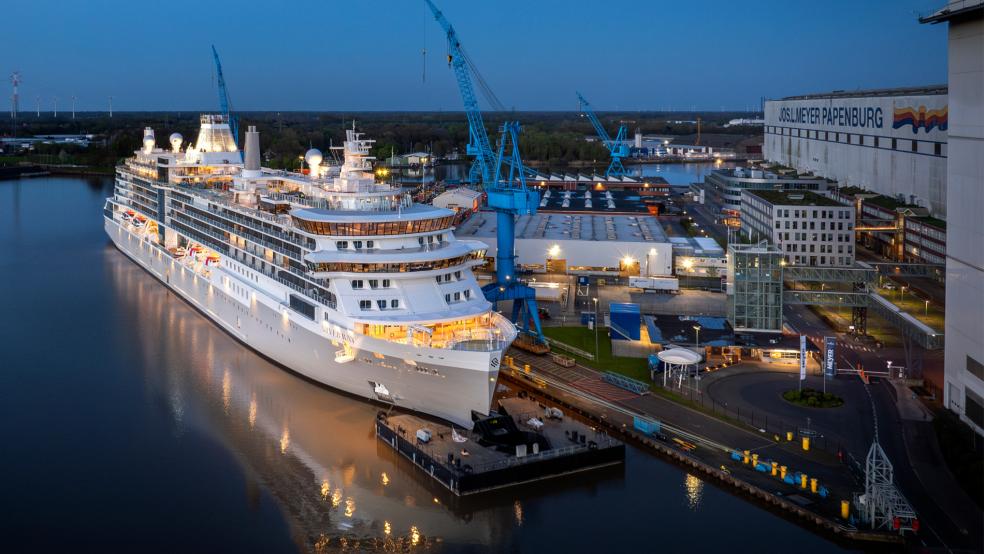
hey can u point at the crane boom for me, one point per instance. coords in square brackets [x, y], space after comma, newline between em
[478, 138]
[616, 147]
[224, 97]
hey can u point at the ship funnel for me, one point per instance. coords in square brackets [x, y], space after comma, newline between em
[148, 140]
[252, 168]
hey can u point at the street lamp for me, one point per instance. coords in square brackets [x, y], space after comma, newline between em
[697, 329]
[596, 327]
[927, 308]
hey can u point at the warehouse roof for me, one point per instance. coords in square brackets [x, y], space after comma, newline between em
[794, 198]
[901, 91]
[624, 228]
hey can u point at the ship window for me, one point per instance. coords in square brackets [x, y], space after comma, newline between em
[370, 244]
[357, 284]
[467, 293]
[341, 245]
[386, 283]
[438, 277]
[365, 304]
[357, 244]
[394, 303]
[381, 304]
[373, 283]
[447, 298]
[457, 275]
[457, 296]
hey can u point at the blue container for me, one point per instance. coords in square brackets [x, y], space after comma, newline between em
[626, 320]
[647, 426]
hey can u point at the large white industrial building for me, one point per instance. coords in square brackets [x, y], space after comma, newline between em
[889, 141]
[964, 361]
[582, 243]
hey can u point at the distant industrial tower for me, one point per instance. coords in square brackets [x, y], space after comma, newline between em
[110, 106]
[14, 100]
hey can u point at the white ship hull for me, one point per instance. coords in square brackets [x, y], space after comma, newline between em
[447, 383]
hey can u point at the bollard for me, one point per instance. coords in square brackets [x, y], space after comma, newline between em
[845, 509]
[806, 442]
[782, 472]
[789, 436]
[755, 460]
[775, 468]
[813, 485]
[803, 480]
[744, 459]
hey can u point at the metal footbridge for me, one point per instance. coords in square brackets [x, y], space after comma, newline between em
[862, 298]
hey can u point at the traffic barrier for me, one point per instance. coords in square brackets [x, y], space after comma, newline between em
[845, 509]
[806, 444]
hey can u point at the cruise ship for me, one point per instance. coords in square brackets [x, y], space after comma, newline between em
[328, 272]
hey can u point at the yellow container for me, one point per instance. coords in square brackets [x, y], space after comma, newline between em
[745, 459]
[813, 485]
[803, 480]
[789, 436]
[782, 472]
[806, 442]
[845, 509]
[775, 468]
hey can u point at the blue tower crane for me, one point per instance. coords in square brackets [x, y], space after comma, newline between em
[617, 147]
[224, 98]
[509, 197]
[478, 138]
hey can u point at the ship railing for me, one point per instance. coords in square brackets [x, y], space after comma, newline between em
[293, 255]
[307, 292]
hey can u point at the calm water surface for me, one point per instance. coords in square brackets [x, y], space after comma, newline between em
[129, 422]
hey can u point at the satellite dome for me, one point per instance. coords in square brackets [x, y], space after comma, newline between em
[313, 157]
[176, 140]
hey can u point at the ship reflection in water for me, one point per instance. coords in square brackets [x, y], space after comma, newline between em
[314, 449]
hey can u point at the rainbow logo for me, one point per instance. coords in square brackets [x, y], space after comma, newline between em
[920, 119]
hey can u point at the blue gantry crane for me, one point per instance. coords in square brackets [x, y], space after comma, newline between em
[504, 179]
[224, 98]
[482, 170]
[617, 147]
[509, 197]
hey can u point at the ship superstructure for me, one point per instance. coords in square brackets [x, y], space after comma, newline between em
[332, 274]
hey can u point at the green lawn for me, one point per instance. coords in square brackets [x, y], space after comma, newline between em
[584, 338]
[916, 307]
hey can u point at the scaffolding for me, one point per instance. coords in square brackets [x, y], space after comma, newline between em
[882, 506]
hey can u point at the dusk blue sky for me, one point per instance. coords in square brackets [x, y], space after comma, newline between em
[366, 55]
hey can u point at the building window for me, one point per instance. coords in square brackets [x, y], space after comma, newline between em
[915, 146]
[895, 144]
[975, 368]
[938, 149]
[365, 305]
[973, 408]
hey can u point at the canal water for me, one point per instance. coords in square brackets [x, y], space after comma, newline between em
[130, 422]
